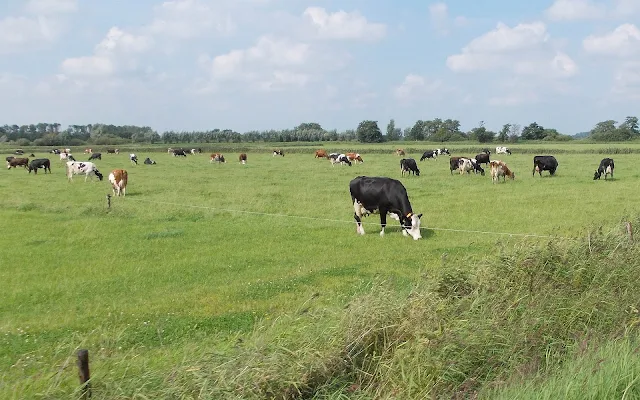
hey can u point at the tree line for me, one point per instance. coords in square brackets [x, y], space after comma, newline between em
[436, 130]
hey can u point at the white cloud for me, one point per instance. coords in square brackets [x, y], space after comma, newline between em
[343, 25]
[623, 41]
[573, 10]
[185, 19]
[525, 49]
[440, 20]
[19, 34]
[415, 86]
[626, 82]
[91, 66]
[44, 7]
[118, 40]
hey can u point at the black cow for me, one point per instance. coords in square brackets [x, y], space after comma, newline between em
[454, 162]
[386, 195]
[179, 152]
[429, 154]
[606, 168]
[39, 163]
[148, 161]
[409, 165]
[32, 155]
[483, 158]
[544, 163]
[95, 156]
[9, 158]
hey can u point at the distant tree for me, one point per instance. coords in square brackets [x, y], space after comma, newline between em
[533, 131]
[629, 127]
[417, 131]
[393, 133]
[503, 135]
[368, 132]
[606, 131]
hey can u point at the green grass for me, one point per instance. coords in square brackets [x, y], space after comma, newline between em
[172, 271]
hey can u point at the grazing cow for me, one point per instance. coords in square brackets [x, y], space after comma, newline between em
[482, 158]
[321, 154]
[503, 150]
[88, 169]
[19, 152]
[113, 151]
[442, 151]
[242, 158]
[355, 157]
[500, 169]
[465, 165]
[409, 165]
[118, 179]
[179, 152]
[544, 163]
[55, 151]
[218, 157]
[336, 158]
[88, 151]
[399, 152]
[40, 163]
[149, 161]
[476, 167]
[429, 154]
[66, 156]
[278, 153]
[17, 162]
[9, 158]
[194, 151]
[606, 168]
[133, 158]
[95, 156]
[386, 195]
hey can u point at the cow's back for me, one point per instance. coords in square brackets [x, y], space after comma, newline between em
[374, 191]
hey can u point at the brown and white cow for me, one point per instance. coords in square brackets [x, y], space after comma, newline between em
[243, 158]
[321, 154]
[118, 179]
[399, 152]
[355, 157]
[500, 169]
[218, 157]
[17, 162]
[88, 151]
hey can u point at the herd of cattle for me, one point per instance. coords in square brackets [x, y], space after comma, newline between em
[369, 195]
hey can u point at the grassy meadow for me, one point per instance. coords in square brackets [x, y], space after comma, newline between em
[200, 257]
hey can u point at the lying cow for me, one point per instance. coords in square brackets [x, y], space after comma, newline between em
[113, 151]
[500, 169]
[95, 156]
[242, 158]
[409, 165]
[385, 195]
[606, 168]
[503, 150]
[149, 161]
[17, 162]
[88, 169]
[278, 153]
[133, 158]
[217, 157]
[39, 163]
[400, 152]
[118, 179]
[321, 154]
[544, 163]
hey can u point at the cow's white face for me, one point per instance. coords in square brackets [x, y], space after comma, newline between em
[414, 230]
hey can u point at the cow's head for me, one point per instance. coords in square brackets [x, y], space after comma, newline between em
[411, 225]
[98, 174]
[597, 175]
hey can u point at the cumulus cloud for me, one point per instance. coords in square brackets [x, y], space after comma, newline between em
[623, 41]
[573, 10]
[185, 19]
[524, 49]
[343, 25]
[414, 87]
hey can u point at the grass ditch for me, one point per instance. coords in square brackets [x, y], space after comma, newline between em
[463, 331]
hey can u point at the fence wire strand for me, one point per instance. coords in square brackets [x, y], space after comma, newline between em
[511, 234]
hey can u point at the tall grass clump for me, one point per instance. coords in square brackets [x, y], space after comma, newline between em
[463, 330]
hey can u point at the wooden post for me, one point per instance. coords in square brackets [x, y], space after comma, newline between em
[109, 201]
[629, 231]
[83, 373]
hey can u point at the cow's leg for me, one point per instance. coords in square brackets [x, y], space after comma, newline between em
[383, 220]
[358, 217]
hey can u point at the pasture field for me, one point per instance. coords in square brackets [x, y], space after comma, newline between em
[198, 254]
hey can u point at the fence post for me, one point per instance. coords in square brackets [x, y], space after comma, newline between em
[629, 231]
[83, 373]
[109, 201]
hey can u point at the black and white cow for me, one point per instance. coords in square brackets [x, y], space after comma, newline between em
[88, 169]
[544, 163]
[429, 154]
[409, 165]
[278, 153]
[385, 195]
[113, 151]
[38, 163]
[606, 168]
[133, 158]
[179, 152]
[442, 151]
[55, 151]
[341, 159]
[503, 150]
[149, 161]
[95, 156]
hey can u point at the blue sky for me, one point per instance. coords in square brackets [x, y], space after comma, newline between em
[262, 64]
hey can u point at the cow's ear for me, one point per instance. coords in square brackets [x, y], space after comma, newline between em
[419, 216]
